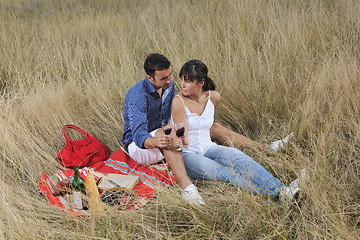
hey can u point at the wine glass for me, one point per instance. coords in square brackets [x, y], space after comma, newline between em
[167, 128]
[180, 130]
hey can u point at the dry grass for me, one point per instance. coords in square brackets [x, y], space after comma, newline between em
[280, 66]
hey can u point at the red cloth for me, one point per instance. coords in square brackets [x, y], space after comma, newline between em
[151, 180]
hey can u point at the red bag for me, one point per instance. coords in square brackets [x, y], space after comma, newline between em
[81, 153]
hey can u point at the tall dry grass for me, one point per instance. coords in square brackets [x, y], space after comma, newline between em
[280, 66]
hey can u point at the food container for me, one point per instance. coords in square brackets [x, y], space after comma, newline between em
[120, 198]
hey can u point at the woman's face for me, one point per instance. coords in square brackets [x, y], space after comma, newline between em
[190, 87]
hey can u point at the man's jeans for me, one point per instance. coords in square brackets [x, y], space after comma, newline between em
[233, 166]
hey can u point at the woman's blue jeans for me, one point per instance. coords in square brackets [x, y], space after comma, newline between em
[231, 165]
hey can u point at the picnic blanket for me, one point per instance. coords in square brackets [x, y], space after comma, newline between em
[152, 179]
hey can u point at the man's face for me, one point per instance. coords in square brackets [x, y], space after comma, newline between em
[161, 79]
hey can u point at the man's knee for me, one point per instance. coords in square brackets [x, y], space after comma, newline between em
[145, 156]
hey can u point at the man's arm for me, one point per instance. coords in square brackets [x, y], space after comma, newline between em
[137, 112]
[160, 141]
[137, 115]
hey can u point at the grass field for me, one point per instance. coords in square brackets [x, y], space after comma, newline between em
[280, 66]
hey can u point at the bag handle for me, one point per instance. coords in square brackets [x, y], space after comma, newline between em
[85, 134]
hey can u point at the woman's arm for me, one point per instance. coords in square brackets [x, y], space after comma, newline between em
[225, 136]
[178, 116]
[215, 98]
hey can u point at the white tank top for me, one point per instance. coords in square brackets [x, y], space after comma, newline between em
[198, 128]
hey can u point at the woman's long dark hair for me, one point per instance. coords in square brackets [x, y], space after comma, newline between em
[197, 70]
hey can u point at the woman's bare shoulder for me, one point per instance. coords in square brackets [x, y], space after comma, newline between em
[177, 101]
[215, 97]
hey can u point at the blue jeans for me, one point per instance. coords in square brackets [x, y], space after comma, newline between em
[231, 165]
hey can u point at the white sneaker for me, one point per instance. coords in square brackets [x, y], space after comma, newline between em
[192, 196]
[289, 192]
[277, 145]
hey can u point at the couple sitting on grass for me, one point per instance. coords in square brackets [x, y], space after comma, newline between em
[152, 101]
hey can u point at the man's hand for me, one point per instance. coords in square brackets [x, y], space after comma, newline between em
[163, 141]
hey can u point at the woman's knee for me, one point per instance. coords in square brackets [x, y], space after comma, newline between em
[227, 152]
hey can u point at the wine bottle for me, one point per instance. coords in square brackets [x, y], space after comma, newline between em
[78, 187]
[78, 183]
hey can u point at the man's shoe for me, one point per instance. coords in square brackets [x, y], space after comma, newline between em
[279, 144]
[192, 196]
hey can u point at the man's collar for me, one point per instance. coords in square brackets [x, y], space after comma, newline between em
[149, 86]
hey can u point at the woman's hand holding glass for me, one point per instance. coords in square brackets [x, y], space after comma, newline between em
[180, 130]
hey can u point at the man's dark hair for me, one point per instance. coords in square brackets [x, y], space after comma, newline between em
[155, 62]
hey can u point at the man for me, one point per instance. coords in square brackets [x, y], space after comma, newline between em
[146, 105]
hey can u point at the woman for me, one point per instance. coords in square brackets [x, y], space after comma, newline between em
[206, 160]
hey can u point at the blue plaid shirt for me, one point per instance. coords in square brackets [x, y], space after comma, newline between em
[144, 110]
